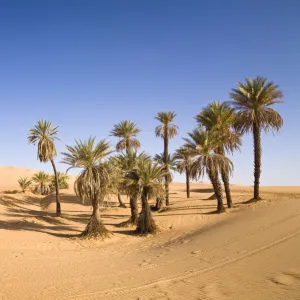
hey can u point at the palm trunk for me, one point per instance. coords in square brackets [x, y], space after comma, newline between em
[187, 174]
[146, 223]
[218, 191]
[95, 227]
[121, 204]
[257, 159]
[159, 203]
[225, 179]
[166, 153]
[227, 188]
[134, 210]
[58, 208]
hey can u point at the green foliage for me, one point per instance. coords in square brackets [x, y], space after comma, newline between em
[203, 145]
[252, 101]
[221, 119]
[126, 131]
[42, 181]
[167, 129]
[44, 134]
[24, 183]
[93, 181]
[146, 175]
[183, 159]
[62, 181]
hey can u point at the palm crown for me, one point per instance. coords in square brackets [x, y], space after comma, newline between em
[87, 155]
[203, 144]
[183, 158]
[253, 100]
[167, 128]
[126, 131]
[221, 118]
[146, 176]
[44, 133]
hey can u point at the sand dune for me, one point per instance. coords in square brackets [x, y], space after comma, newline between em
[250, 252]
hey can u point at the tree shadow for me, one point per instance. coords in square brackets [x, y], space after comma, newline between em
[32, 226]
[203, 190]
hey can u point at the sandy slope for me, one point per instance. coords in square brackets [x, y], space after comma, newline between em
[251, 252]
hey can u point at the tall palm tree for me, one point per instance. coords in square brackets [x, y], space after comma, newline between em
[145, 179]
[92, 183]
[42, 181]
[126, 162]
[184, 158]
[44, 135]
[126, 131]
[207, 160]
[252, 101]
[24, 183]
[220, 118]
[167, 130]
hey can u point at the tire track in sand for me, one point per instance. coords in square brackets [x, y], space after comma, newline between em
[119, 292]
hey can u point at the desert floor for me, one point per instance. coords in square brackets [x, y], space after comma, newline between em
[250, 252]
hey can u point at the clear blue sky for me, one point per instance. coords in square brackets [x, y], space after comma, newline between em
[86, 65]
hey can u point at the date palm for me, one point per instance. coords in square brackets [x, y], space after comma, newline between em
[92, 183]
[62, 180]
[253, 101]
[220, 118]
[126, 131]
[184, 158]
[126, 162]
[44, 135]
[145, 179]
[24, 183]
[167, 130]
[42, 181]
[207, 160]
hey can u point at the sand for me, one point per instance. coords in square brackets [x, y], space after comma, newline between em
[250, 252]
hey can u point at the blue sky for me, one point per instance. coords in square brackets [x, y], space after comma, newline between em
[86, 65]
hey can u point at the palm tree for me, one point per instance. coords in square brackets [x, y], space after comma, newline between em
[172, 167]
[24, 183]
[252, 101]
[145, 179]
[184, 158]
[126, 131]
[44, 134]
[207, 160]
[166, 131]
[42, 181]
[92, 183]
[126, 162]
[220, 118]
[62, 180]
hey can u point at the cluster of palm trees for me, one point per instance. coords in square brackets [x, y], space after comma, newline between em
[218, 133]
[43, 183]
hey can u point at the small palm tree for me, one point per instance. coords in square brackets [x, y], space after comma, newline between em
[184, 159]
[42, 181]
[24, 183]
[252, 101]
[62, 180]
[126, 162]
[204, 145]
[221, 118]
[44, 134]
[145, 180]
[92, 183]
[126, 131]
[167, 130]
